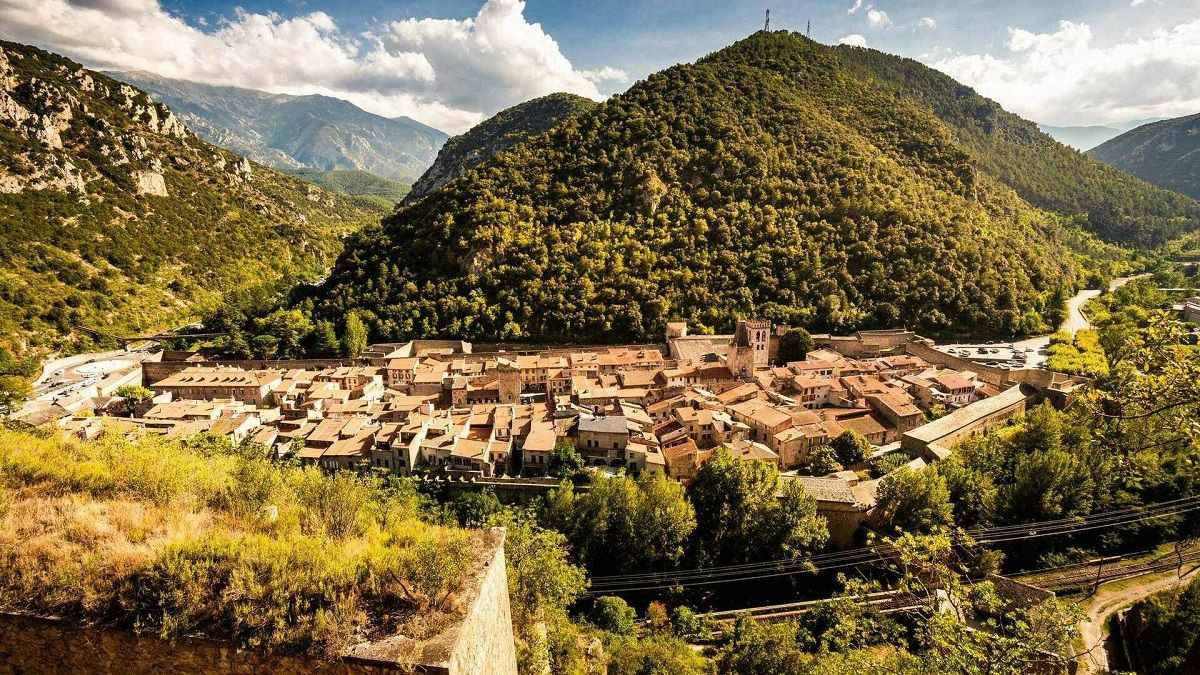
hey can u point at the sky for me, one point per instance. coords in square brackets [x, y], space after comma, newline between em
[453, 63]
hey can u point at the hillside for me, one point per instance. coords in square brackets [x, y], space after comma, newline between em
[369, 190]
[503, 130]
[1048, 175]
[297, 132]
[115, 219]
[1165, 153]
[766, 179]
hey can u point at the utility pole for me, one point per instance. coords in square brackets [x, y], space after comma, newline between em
[767, 24]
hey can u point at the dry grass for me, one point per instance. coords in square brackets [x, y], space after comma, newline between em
[201, 539]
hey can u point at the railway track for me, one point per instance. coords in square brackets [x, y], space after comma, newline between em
[1090, 574]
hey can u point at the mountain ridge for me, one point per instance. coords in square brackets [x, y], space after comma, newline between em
[1165, 153]
[291, 132]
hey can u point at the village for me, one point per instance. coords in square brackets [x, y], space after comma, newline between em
[440, 410]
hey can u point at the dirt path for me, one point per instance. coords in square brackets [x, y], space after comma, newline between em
[1093, 630]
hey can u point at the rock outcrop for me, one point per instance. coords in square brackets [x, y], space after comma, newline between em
[150, 183]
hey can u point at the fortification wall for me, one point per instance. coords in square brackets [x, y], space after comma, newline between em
[33, 646]
[154, 371]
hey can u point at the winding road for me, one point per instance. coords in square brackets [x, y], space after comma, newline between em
[1093, 630]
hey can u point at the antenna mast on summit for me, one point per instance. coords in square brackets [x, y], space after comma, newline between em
[767, 24]
[808, 30]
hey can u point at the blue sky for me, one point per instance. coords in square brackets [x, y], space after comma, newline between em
[452, 62]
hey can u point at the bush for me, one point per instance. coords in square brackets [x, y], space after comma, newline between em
[177, 538]
[881, 466]
[612, 614]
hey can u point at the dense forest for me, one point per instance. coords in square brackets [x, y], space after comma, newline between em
[115, 219]
[771, 178]
[1047, 174]
[363, 187]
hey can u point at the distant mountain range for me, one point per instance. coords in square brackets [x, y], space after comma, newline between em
[297, 132]
[115, 219]
[834, 188]
[1087, 137]
[1164, 153]
[500, 132]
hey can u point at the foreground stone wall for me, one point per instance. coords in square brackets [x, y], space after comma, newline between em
[32, 646]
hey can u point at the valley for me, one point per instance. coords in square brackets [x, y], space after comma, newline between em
[796, 357]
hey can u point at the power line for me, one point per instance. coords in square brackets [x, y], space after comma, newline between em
[841, 559]
[978, 534]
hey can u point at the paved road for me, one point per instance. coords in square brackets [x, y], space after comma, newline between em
[1075, 321]
[1093, 630]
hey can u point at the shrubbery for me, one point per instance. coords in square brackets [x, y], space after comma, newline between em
[202, 537]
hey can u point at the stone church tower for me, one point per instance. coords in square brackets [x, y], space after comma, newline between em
[509, 384]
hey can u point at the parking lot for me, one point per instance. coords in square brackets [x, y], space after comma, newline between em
[1026, 354]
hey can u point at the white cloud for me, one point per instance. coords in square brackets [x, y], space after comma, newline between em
[927, 22]
[605, 74]
[877, 18]
[1069, 77]
[857, 6]
[448, 73]
[854, 40]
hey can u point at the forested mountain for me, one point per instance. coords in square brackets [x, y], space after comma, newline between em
[1165, 153]
[777, 177]
[368, 189]
[1081, 138]
[499, 132]
[297, 132]
[1115, 206]
[115, 218]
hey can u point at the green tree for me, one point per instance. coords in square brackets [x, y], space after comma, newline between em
[1170, 626]
[542, 582]
[564, 459]
[265, 346]
[612, 614]
[654, 655]
[324, 340]
[820, 461]
[740, 516]
[236, 346]
[290, 327]
[1049, 484]
[885, 464]
[914, 501]
[14, 389]
[794, 345]
[621, 524]
[475, 508]
[850, 447]
[764, 649]
[354, 340]
[133, 394]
